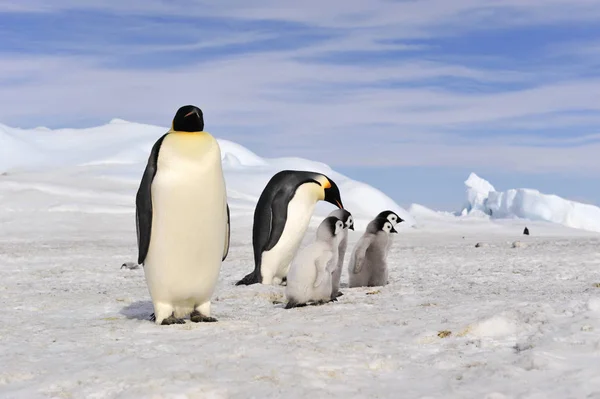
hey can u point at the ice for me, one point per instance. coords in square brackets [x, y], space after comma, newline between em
[120, 150]
[529, 204]
[455, 321]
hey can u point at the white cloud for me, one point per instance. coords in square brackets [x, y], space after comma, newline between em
[296, 102]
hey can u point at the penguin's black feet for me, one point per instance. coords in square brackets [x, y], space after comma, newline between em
[292, 304]
[198, 317]
[152, 317]
[172, 320]
[333, 300]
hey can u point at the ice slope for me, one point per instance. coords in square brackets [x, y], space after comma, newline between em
[119, 150]
[529, 204]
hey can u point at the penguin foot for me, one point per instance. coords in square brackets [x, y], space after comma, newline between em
[333, 300]
[152, 317]
[172, 320]
[339, 293]
[198, 317]
[292, 304]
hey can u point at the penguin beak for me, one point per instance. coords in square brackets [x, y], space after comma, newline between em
[393, 230]
[332, 195]
[351, 227]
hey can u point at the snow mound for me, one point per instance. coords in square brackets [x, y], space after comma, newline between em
[494, 327]
[119, 151]
[529, 204]
[15, 152]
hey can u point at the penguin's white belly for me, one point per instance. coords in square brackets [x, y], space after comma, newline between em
[188, 227]
[276, 262]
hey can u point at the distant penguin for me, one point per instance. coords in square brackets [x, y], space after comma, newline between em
[281, 218]
[348, 220]
[310, 276]
[368, 266]
[526, 231]
[182, 220]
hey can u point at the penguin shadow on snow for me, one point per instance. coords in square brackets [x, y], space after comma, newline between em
[140, 310]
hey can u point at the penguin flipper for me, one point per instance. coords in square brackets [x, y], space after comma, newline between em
[227, 236]
[360, 252]
[278, 218]
[322, 272]
[143, 203]
[269, 221]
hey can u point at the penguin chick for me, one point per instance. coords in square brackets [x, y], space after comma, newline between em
[310, 275]
[368, 267]
[394, 219]
[391, 216]
[348, 220]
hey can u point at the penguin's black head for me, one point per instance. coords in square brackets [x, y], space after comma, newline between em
[383, 224]
[331, 226]
[188, 118]
[332, 193]
[391, 216]
[345, 216]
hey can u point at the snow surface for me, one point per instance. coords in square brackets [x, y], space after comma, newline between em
[120, 150]
[529, 204]
[455, 321]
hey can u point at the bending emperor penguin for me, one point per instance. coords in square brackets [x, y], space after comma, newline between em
[281, 218]
[348, 221]
[310, 277]
[368, 267]
[182, 220]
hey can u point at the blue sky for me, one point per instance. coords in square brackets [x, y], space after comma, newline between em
[410, 96]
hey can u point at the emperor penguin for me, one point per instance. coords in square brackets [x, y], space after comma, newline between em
[182, 220]
[368, 266]
[281, 217]
[347, 219]
[310, 276]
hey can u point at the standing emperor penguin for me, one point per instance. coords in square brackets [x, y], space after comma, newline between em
[182, 220]
[310, 277]
[281, 218]
[368, 266]
[346, 218]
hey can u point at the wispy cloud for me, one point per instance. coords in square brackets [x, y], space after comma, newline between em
[484, 83]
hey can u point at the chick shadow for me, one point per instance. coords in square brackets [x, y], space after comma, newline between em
[140, 310]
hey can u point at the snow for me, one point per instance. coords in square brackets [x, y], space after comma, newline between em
[120, 149]
[455, 321]
[529, 204]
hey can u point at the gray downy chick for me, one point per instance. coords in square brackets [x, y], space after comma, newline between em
[368, 266]
[348, 220]
[309, 279]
